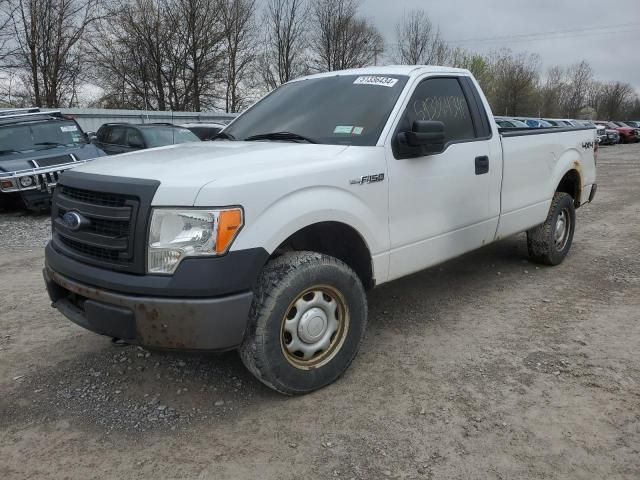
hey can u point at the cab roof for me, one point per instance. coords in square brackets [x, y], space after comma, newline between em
[407, 70]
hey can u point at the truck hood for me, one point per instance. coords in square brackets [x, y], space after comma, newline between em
[184, 169]
[14, 162]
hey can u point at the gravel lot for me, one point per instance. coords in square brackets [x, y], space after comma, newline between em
[484, 367]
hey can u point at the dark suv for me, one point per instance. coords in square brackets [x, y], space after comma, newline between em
[35, 148]
[116, 138]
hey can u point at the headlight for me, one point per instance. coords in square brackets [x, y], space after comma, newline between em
[175, 234]
[26, 181]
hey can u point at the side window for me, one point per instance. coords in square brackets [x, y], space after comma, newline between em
[116, 136]
[134, 139]
[102, 134]
[441, 99]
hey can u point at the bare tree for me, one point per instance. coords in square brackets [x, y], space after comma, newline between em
[49, 35]
[198, 49]
[129, 55]
[5, 31]
[477, 64]
[285, 22]
[160, 54]
[418, 42]
[516, 82]
[611, 99]
[552, 93]
[579, 77]
[239, 49]
[340, 39]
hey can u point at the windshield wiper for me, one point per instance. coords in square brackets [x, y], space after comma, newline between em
[280, 136]
[10, 150]
[53, 144]
[224, 135]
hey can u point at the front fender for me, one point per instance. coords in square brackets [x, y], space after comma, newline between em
[276, 222]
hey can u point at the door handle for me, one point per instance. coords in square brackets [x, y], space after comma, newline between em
[482, 165]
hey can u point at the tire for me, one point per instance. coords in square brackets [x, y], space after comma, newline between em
[547, 243]
[294, 301]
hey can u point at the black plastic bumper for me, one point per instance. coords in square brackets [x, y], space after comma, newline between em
[36, 199]
[237, 271]
[155, 311]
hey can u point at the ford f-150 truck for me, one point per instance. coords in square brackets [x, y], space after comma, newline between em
[266, 239]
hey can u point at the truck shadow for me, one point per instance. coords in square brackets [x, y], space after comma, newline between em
[132, 390]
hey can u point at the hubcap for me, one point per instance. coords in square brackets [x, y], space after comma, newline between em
[314, 327]
[561, 232]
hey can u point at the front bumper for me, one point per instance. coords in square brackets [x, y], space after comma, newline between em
[43, 179]
[203, 306]
[160, 322]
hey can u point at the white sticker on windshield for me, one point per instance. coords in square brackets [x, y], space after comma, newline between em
[343, 129]
[375, 80]
[69, 128]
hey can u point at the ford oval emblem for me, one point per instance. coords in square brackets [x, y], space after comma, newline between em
[73, 220]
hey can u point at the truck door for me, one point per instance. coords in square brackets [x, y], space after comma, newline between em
[445, 204]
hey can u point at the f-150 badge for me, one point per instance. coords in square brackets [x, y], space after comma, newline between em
[367, 179]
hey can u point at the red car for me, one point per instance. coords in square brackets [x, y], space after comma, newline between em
[627, 134]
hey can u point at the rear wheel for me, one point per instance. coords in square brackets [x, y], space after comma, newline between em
[307, 320]
[550, 242]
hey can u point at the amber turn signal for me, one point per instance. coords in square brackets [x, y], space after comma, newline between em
[229, 224]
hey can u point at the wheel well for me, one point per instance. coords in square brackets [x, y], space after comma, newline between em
[337, 240]
[572, 185]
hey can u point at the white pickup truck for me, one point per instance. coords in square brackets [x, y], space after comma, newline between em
[266, 239]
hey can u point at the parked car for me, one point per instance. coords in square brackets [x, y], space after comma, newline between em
[570, 122]
[116, 138]
[561, 123]
[623, 124]
[584, 123]
[630, 124]
[535, 122]
[35, 148]
[510, 123]
[204, 131]
[627, 134]
[601, 133]
[612, 135]
[267, 238]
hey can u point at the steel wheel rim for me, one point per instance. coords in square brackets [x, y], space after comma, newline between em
[314, 327]
[562, 229]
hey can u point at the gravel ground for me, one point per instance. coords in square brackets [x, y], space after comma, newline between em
[485, 367]
[20, 229]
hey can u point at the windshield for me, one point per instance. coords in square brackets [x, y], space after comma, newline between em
[39, 135]
[160, 136]
[336, 110]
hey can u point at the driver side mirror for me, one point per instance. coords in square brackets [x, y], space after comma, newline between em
[425, 138]
[91, 136]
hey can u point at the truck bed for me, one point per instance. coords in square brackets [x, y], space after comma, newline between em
[532, 160]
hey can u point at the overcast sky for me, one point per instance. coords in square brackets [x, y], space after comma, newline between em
[606, 33]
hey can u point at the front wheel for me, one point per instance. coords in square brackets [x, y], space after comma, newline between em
[308, 317]
[550, 242]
